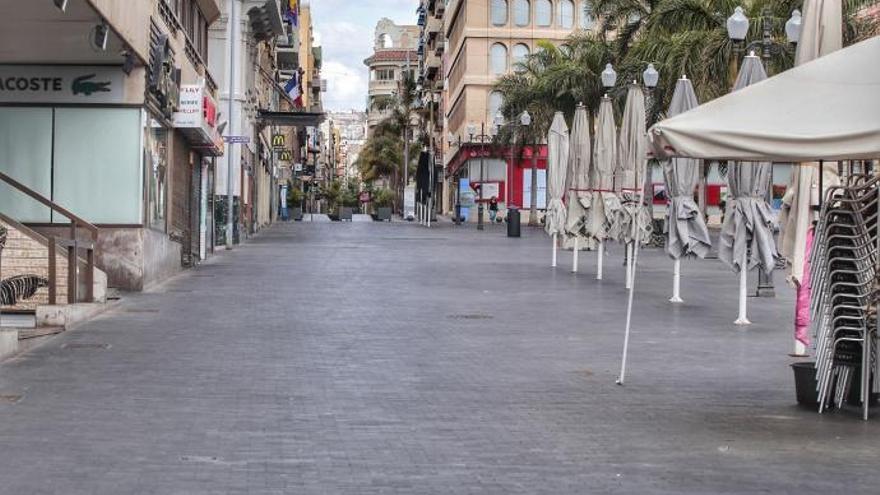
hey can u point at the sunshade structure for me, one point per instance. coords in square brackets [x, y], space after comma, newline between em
[821, 34]
[579, 197]
[606, 204]
[630, 175]
[557, 166]
[777, 120]
[747, 233]
[687, 231]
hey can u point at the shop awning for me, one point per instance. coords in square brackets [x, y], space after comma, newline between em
[293, 119]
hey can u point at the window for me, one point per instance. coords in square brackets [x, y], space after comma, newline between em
[498, 56]
[385, 41]
[566, 14]
[156, 164]
[520, 52]
[544, 13]
[496, 101]
[384, 74]
[499, 12]
[26, 156]
[522, 13]
[587, 19]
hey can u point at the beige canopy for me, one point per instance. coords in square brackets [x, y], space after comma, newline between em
[826, 109]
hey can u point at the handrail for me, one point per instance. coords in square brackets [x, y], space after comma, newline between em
[46, 202]
[72, 247]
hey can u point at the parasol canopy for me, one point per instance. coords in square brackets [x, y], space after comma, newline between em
[632, 169]
[557, 165]
[687, 231]
[605, 200]
[579, 195]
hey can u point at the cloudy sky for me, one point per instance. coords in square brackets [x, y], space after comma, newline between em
[345, 28]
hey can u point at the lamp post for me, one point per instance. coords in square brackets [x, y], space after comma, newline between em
[650, 78]
[472, 128]
[452, 140]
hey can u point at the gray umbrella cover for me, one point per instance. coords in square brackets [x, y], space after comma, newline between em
[687, 231]
[579, 197]
[631, 170]
[749, 222]
[605, 201]
[557, 165]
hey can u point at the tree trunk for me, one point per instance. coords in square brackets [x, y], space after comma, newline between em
[533, 194]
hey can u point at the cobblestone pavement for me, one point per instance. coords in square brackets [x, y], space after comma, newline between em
[389, 359]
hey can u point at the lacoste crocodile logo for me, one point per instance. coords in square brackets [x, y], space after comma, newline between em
[82, 85]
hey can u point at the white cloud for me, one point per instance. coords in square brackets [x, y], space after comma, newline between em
[346, 86]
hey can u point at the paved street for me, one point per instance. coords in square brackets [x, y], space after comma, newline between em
[390, 359]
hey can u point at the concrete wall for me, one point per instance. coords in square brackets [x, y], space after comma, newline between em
[161, 258]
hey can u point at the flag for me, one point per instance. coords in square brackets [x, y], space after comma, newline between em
[292, 13]
[294, 89]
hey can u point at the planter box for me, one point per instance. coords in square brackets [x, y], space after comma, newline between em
[345, 213]
[383, 214]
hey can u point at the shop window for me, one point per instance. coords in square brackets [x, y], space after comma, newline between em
[498, 56]
[26, 156]
[522, 13]
[97, 172]
[544, 13]
[499, 12]
[566, 14]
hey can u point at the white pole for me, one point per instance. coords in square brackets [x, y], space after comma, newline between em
[230, 165]
[629, 302]
[676, 282]
[601, 260]
[629, 268]
[574, 261]
[430, 207]
[554, 251]
[743, 294]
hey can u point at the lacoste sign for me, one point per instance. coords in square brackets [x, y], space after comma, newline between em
[77, 84]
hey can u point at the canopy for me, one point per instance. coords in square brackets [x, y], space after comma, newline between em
[748, 219]
[687, 231]
[631, 170]
[823, 110]
[605, 201]
[579, 195]
[821, 34]
[557, 165]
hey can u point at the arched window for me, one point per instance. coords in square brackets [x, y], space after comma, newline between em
[565, 16]
[587, 19]
[496, 101]
[522, 12]
[498, 56]
[544, 13]
[385, 41]
[520, 52]
[499, 12]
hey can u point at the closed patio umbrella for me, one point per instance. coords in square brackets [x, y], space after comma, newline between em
[687, 232]
[630, 176]
[557, 166]
[821, 33]
[579, 195]
[747, 233]
[605, 201]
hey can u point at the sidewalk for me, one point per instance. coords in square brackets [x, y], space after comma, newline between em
[374, 358]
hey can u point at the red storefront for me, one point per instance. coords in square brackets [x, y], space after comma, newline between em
[470, 154]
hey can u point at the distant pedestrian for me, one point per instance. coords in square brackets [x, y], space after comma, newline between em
[493, 209]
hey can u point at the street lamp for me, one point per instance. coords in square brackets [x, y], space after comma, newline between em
[609, 77]
[793, 27]
[650, 77]
[471, 130]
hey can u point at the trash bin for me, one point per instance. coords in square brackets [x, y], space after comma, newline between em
[512, 222]
[805, 384]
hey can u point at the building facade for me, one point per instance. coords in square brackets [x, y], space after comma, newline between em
[394, 52]
[485, 39]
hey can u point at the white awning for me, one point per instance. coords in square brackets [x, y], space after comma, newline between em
[828, 109]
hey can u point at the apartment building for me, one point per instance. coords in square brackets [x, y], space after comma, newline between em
[484, 40]
[431, 49]
[394, 52]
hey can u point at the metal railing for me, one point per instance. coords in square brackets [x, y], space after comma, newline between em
[73, 245]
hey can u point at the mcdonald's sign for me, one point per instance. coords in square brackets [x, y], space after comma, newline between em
[285, 155]
[278, 141]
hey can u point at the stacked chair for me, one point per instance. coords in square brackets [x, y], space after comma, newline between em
[845, 293]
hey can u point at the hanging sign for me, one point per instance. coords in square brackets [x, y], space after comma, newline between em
[278, 141]
[285, 155]
[76, 84]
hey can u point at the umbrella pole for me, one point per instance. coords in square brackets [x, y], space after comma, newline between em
[574, 261]
[676, 282]
[601, 255]
[743, 291]
[629, 256]
[553, 264]
[629, 302]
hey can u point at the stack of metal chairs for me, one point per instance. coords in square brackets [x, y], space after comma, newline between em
[845, 292]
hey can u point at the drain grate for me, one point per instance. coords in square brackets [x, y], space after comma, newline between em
[471, 316]
[179, 291]
[9, 398]
[141, 310]
[85, 345]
